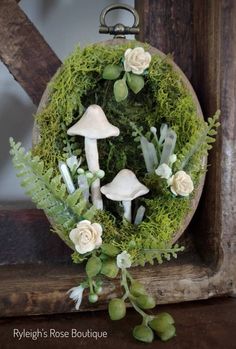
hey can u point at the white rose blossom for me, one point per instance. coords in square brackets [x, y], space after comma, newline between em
[136, 60]
[164, 171]
[76, 295]
[86, 236]
[123, 260]
[181, 184]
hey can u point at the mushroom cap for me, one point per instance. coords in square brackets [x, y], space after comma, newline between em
[93, 124]
[124, 187]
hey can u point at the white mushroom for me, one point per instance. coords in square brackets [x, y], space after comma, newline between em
[93, 125]
[125, 187]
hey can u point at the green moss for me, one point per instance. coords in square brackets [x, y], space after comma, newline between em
[164, 99]
[79, 84]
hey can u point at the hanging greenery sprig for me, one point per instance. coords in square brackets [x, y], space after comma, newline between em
[134, 67]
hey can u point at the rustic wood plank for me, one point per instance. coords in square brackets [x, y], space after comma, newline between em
[24, 51]
[167, 25]
[206, 80]
[41, 289]
[215, 83]
[205, 325]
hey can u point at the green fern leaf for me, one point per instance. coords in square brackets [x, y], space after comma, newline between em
[49, 193]
[199, 142]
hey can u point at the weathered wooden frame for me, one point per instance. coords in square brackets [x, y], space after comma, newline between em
[35, 272]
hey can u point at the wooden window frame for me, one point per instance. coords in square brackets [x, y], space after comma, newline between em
[35, 268]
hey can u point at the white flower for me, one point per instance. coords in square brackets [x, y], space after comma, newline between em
[172, 159]
[136, 60]
[73, 163]
[153, 130]
[181, 184]
[86, 236]
[123, 260]
[76, 295]
[100, 174]
[164, 171]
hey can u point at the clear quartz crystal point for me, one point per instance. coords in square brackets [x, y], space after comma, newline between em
[139, 215]
[168, 147]
[84, 186]
[149, 154]
[163, 132]
[65, 173]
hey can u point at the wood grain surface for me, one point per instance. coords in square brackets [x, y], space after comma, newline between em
[167, 25]
[200, 325]
[215, 82]
[42, 288]
[24, 51]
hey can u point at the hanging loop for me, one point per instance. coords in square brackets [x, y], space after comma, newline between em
[119, 30]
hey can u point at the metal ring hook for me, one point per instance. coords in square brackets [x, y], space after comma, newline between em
[119, 30]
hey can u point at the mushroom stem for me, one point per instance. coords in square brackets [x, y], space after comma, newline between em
[127, 209]
[91, 152]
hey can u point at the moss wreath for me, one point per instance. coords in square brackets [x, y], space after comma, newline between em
[144, 106]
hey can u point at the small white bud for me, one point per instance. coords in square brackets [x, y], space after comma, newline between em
[80, 171]
[100, 174]
[172, 159]
[89, 175]
[164, 171]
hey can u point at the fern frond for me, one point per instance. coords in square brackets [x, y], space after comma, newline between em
[160, 254]
[201, 140]
[49, 193]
